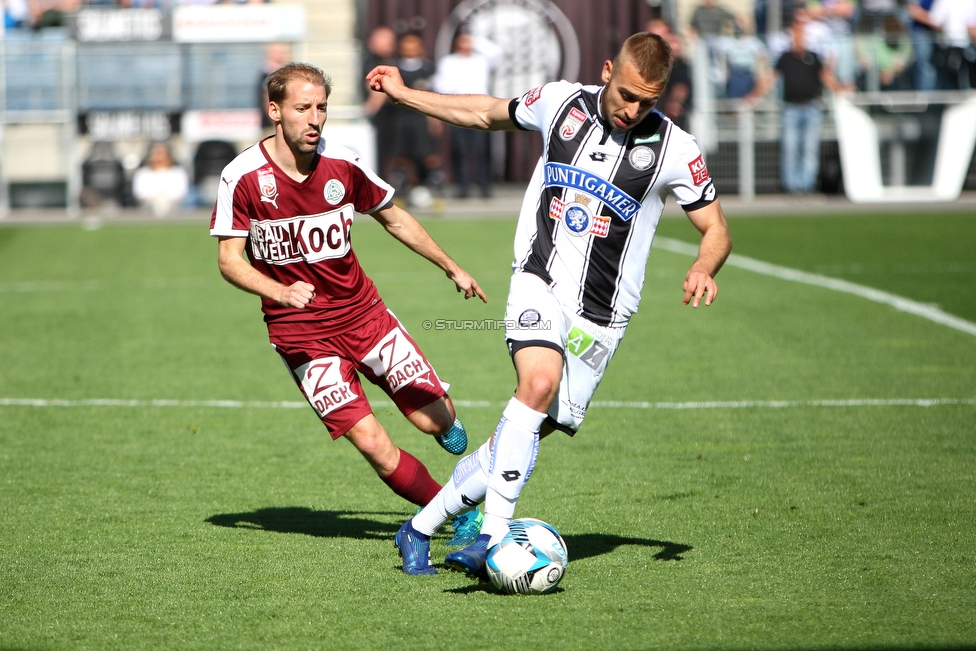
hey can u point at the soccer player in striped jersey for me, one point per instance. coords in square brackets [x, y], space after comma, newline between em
[584, 234]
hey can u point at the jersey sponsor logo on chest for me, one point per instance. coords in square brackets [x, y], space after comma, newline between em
[309, 238]
[578, 217]
[574, 178]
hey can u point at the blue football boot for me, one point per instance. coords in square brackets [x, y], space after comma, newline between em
[472, 559]
[467, 526]
[455, 440]
[414, 548]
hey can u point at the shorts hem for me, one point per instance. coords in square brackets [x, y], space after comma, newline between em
[515, 345]
[555, 424]
[349, 424]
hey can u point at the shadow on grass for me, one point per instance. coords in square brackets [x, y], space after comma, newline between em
[585, 545]
[323, 524]
[359, 524]
[481, 586]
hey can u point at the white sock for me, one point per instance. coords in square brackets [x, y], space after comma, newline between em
[512, 459]
[465, 491]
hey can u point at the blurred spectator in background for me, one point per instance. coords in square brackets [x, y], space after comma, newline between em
[885, 57]
[874, 12]
[745, 58]
[804, 75]
[467, 71]
[838, 17]
[14, 13]
[416, 171]
[923, 34]
[275, 56]
[50, 13]
[955, 54]
[709, 19]
[675, 101]
[709, 22]
[381, 50]
[160, 183]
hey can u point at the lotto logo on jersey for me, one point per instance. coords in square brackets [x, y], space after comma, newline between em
[399, 361]
[572, 123]
[699, 173]
[533, 96]
[322, 384]
[310, 239]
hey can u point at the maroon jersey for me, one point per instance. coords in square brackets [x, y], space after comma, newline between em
[301, 231]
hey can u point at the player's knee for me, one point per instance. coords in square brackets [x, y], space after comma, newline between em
[372, 441]
[539, 390]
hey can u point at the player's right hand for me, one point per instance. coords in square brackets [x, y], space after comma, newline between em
[385, 79]
[467, 284]
[297, 295]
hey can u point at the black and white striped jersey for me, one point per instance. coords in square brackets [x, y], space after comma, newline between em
[596, 196]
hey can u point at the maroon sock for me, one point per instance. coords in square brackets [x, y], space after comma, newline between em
[412, 481]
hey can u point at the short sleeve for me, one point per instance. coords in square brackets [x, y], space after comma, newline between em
[532, 110]
[689, 181]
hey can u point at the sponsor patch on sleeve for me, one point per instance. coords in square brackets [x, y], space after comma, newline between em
[699, 173]
[533, 95]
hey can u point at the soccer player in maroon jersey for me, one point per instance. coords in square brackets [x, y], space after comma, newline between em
[289, 203]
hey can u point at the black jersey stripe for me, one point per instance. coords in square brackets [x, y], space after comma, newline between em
[560, 150]
[604, 269]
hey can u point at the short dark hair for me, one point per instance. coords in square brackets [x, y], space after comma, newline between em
[650, 54]
[279, 79]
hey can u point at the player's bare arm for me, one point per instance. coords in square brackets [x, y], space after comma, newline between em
[238, 272]
[481, 112]
[402, 225]
[716, 244]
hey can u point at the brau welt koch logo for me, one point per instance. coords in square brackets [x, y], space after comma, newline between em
[311, 238]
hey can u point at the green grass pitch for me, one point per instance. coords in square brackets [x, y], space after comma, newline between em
[820, 505]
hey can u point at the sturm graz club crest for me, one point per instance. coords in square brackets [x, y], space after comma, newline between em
[529, 318]
[537, 42]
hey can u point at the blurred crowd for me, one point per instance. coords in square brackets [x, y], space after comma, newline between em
[823, 45]
[817, 46]
[38, 14]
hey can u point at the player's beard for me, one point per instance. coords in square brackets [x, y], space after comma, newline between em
[300, 143]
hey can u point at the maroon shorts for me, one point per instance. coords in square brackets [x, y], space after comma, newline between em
[382, 351]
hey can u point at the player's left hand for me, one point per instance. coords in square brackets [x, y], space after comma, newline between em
[698, 285]
[465, 283]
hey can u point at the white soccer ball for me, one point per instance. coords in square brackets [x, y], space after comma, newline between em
[530, 559]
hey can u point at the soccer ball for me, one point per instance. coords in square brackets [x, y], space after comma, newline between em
[530, 559]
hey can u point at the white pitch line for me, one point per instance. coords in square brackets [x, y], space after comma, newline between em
[930, 312]
[473, 404]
